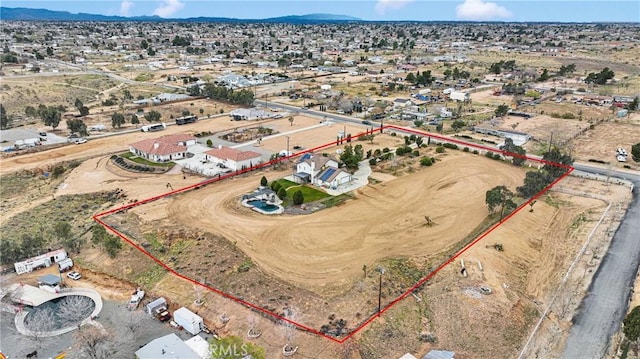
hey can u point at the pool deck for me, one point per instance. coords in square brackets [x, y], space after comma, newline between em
[29, 294]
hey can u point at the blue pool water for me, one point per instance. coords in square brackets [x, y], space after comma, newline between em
[263, 205]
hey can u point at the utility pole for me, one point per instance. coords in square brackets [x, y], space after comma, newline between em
[381, 270]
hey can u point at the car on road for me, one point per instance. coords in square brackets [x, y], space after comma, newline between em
[366, 122]
[74, 275]
[43, 134]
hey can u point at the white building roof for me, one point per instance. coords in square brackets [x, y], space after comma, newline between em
[167, 347]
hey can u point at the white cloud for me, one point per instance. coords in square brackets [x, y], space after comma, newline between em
[383, 5]
[168, 8]
[125, 6]
[480, 10]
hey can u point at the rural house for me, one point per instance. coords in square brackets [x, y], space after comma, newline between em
[163, 149]
[320, 171]
[232, 158]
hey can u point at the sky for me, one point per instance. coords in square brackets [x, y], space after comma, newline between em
[376, 10]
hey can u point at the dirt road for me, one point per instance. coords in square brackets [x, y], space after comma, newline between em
[604, 307]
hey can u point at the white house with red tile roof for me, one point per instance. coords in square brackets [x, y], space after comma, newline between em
[163, 149]
[232, 158]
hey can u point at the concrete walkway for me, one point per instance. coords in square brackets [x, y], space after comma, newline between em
[87, 292]
[360, 179]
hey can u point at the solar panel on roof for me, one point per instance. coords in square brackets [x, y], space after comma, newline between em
[327, 174]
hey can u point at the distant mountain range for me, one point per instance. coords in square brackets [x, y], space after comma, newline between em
[27, 14]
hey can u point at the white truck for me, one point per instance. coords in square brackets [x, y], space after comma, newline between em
[135, 300]
[190, 321]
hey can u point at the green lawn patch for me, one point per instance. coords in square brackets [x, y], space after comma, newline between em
[309, 194]
[133, 158]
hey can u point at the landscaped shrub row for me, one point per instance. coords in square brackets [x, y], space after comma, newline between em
[126, 165]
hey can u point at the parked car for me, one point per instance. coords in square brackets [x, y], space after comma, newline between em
[74, 275]
[80, 140]
[366, 122]
[44, 134]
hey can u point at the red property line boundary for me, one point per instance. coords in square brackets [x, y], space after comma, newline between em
[437, 138]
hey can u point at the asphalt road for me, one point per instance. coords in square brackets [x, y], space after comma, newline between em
[604, 306]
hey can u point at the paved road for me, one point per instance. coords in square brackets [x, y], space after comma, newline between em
[604, 307]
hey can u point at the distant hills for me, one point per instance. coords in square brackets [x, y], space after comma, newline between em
[28, 14]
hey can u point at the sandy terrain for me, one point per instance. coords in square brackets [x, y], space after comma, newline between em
[318, 251]
[602, 142]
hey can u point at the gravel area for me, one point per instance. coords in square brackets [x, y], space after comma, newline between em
[15, 345]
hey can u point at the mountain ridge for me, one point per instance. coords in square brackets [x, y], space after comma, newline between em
[31, 14]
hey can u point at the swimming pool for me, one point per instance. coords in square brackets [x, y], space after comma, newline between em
[263, 205]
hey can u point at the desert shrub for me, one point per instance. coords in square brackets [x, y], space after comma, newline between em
[427, 161]
[452, 146]
[466, 149]
[440, 149]
[373, 162]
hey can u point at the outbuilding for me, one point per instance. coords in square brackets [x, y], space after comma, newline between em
[187, 319]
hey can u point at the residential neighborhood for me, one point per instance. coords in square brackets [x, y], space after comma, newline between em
[232, 180]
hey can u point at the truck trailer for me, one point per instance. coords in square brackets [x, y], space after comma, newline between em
[187, 319]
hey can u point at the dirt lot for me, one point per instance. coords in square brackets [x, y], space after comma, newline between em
[601, 143]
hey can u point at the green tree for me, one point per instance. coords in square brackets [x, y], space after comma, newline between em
[544, 76]
[5, 121]
[263, 181]
[410, 78]
[635, 152]
[554, 157]
[98, 233]
[502, 110]
[62, 230]
[282, 193]
[78, 104]
[298, 197]
[351, 158]
[117, 120]
[135, 120]
[30, 111]
[499, 196]
[50, 115]
[427, 161]
[153, 116]
[633, 106]
[77, 126]
[111, 245]
[534, 182]
[209, 143]
[631, 328]
[458, 124]
[519, 152]
[567, 70]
